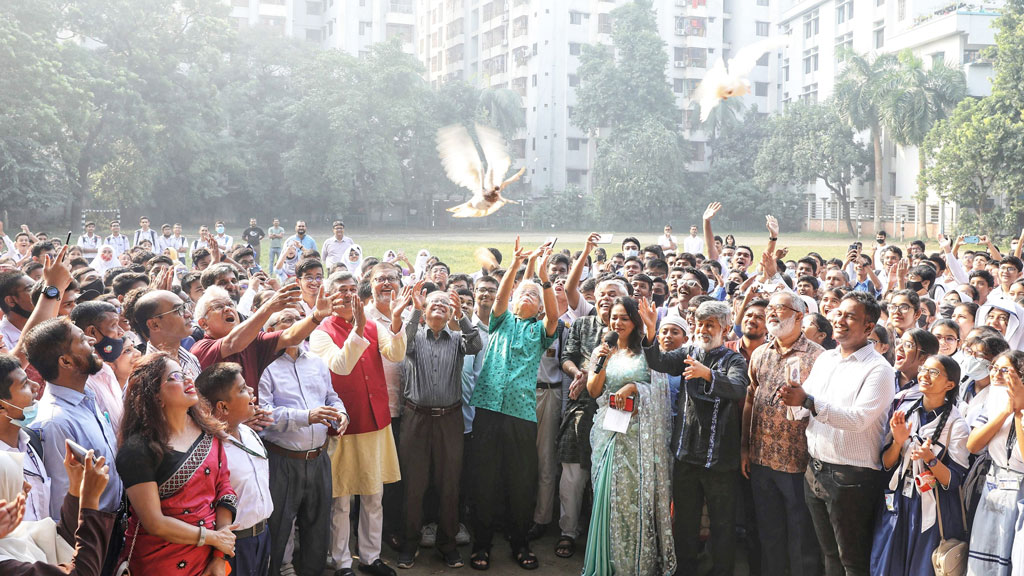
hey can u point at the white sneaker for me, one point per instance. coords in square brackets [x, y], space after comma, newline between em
[287, 570]
[428, 536]
[462, 538]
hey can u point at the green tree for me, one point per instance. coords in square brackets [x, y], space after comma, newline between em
[810, 142]
[924, 97]
[625, 98]
[862, 90]
[503, 109]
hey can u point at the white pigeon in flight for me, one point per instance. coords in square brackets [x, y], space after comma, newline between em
[463, 165]
[720, 83]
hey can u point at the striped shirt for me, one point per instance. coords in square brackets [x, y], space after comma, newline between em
[852, 397]
[189, 363]
[437, 361]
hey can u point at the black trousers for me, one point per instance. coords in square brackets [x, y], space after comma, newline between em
[505, 450]
[691, 487]
[301, 491]
[842, 501]
[788, 542]
[431, 447]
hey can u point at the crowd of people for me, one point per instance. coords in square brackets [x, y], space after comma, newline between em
[168, 406]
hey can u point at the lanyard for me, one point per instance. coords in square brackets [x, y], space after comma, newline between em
[248, 450]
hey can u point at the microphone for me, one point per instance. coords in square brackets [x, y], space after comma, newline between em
[611, 339]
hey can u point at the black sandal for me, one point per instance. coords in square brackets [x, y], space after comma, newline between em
[566, 547]
[480, 560]
[526, 559]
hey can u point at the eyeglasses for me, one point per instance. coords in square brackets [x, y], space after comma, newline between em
[688, 283]
[872, 341]
[948, 339]
[1001, 371]
[317, 279]
[180, 310]
[221, 306]
[933, 372]
[388, 279]
[909, 346]
[487, 290]
[177, 376]
[901, 308]
[778, 308]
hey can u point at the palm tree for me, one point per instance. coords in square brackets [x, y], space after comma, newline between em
[503, 109]
[924, 97]
[862, 90]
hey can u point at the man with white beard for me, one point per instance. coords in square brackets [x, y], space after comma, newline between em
[773, 449]
[705, 431]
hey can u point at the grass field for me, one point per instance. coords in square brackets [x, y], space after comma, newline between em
[456, 249]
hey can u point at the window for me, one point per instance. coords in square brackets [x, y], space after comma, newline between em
[691, 26]
[971, 56]
[844, 42]
[844, 11]
[763, 60]
[761, 28]
[574, 48]
[364, 28]
[760, 88]
[313, 8]
[811, 60]
[520, 26]
[240, 3]
[698, 152]
[901, 9]
[604, 23]
[576, 144]
[697, 57]
[938, 58]
[314, 35]
[762, 2]
[574, 80]
[811, 24]
[879, 33]
[810, 94]
[785, 70]
[678, 85]
[574, 176]
[575, 18]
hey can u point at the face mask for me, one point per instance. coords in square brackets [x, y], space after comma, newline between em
[915, 286]
[975, 368]
[586, 273]
[880, 240]
[28, 414]
[946, 310]
[629, 253]
[110, 348]
[731, 286]
[220, 229]
[659, 300]
[21, 311]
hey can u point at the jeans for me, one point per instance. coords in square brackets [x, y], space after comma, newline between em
[691, 486]
[842, 501]
[275, 253]
[787, 535]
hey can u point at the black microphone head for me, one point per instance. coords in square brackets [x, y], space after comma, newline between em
[611, 338]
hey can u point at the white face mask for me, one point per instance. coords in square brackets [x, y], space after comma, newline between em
[975, 368]
[586, 273]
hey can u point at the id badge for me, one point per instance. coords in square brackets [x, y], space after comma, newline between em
[1009, 484]
[908, 487]
[890, 502]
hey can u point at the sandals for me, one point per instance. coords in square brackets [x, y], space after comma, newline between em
[480, 560]
[526, 559]
[566, 547]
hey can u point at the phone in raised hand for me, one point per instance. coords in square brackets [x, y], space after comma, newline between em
[78, 451]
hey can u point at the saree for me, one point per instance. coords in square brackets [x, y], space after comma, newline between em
[191, 494]
[631, 526]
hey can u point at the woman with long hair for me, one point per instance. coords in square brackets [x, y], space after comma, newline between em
[175, 474]
[999, 432]
[630, 530]
[926, 459]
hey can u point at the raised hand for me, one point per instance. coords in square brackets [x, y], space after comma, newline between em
[358, 315]
[923, 452]
[711, 210]
[456, 305]
[56, 272]
[591, 242]
[284, 298]
[649, 314]
[944, 244]
[900, 427]
[772, 224]
[419, 296]
[695, 370]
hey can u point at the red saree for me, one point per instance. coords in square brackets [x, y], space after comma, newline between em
[191, 495]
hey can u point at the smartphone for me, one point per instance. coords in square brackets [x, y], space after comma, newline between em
[551, 241]
[77, 451]
[254, 270]
[180, 271]
[605, 238]
[853, 247]
[68, 241]
[972, 239]
[630, 404]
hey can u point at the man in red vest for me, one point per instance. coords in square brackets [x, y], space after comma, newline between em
[364, 458]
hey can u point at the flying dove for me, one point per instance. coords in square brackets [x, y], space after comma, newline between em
[463, 165]
[720, 83]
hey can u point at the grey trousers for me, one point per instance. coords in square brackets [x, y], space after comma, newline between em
[301, 490]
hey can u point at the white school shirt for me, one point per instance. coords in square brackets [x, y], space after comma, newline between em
[250, 477]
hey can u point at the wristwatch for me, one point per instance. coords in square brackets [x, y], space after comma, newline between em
[809, 404]
[51, 292]
[546, 285]
[932, 463]
[773, 238]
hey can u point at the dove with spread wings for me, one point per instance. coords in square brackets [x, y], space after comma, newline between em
[463, 165]
[721, 83]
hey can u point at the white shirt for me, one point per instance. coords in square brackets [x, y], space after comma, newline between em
[994, 405]
[37, 505]
[852, 397]
[10, 333]
[974, 409]
[119, 243]
[667, 242]
[90, 245]
[225, 242]
[178, 243]
[141, 235]
[250, 477]
[334, 249]
[392, 370]
[693, 245]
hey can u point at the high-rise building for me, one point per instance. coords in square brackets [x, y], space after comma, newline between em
[348, 25]
[933, 30]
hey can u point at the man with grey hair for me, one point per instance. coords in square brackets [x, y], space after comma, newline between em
[773, 448]
[431, 437]
[705, 431]
[585, 334]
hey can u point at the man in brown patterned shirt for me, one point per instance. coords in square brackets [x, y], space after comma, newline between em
[773, 449]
